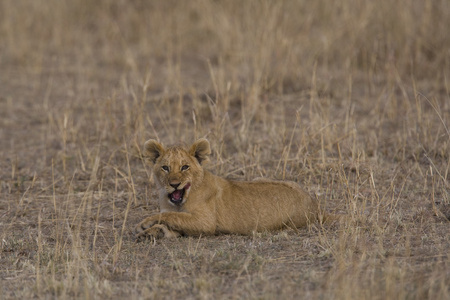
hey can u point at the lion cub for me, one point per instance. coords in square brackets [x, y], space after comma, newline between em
[193, 201]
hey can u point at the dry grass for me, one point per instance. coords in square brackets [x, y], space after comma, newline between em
[350, 99]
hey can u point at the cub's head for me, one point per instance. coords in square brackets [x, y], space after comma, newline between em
[177, 169]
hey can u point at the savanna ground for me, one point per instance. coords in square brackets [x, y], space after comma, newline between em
[348, 98]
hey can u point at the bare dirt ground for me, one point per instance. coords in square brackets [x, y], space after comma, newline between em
[349, 99]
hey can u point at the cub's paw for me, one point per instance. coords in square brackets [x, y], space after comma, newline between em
[143, 226]
[157, 231]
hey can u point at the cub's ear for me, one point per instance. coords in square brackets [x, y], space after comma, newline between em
[152, 150]
[201, 150]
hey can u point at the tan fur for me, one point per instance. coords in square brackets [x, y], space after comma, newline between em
[212, 204]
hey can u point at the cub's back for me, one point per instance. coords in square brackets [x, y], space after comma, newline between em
[264, 205]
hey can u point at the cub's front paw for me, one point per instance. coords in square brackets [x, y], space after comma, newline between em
[156, 231]
[142, 227]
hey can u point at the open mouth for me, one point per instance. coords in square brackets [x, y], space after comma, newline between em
[177, 196]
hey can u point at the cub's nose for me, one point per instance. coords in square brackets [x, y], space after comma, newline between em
[175, 185]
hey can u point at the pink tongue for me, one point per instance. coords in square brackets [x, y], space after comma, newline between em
[176, 195]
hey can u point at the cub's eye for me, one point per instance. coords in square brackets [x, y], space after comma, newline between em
[165, 168]
[184, 168]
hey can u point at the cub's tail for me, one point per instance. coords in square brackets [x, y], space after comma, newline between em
[331, 219]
